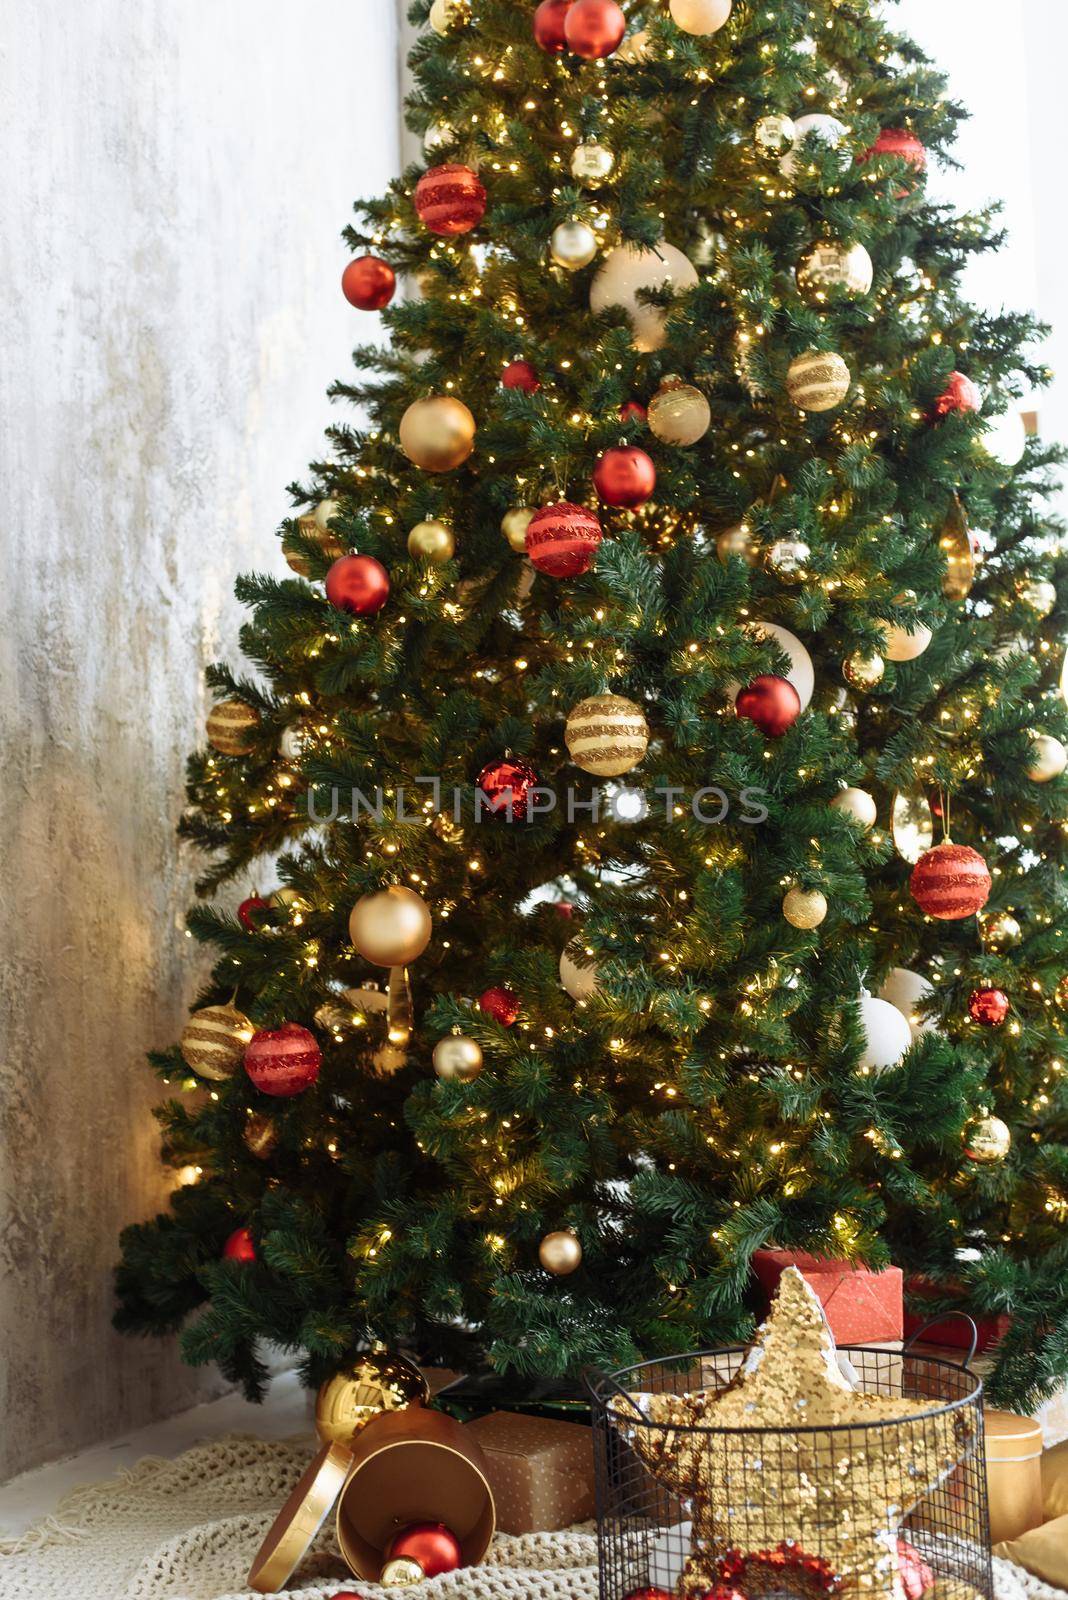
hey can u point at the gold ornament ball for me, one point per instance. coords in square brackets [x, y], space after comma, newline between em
[607, 735]
[999, 930]
[437, 434]
[738, 541]
[818, 380]
[592, 164]
[213, 1041]
[699, 17]
[514, 525]
[366, 1388]
[445, 14]
[829, 265]
[232, 728]
[457, 1059]
[804, 908]
[260, 1135]
[578, 971]
[1039, 594]
[324, 512]
[573, 245]
[401, 1573]
[1048, 758]
[432, 542]
[788, 560]
[1060, 993]
[857, 804]
[391, 927]
[987, 1140]
[774, 133]
[560, 1253]
[864, 669]
[678, 413]
[309, 528]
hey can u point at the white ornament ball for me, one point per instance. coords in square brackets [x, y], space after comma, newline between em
[905, 644]
[573, 245]
[578, 971]
[1048, 758]
[857, 804]
[801, 672]
[818, 380]
[887, 1034]
[905, 991]
[830, 265]
[629, 268]
[592, 164]
[293, 743]
[827, 129]
[804, 908]
[1005, 438]
[324, 511]
[1039, 594]
[700, 17]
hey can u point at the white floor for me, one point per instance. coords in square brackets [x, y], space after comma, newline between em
[34, 1495]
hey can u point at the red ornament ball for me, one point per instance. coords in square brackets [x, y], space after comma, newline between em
[594, 28]
[250, 912]
[649, 1594]
[549, 21]
[450, 199]
[899, 142]
[506, 786]
[564, 908]
[368, 283]
[787, 1569]
[988, 1006]
[562, 539]
[521, 375]
[624, 476]
[434, 1546]
[358, 584]
[500, 1004]
[771, 702]
[633, 409]
[960, 394]
[916, 1575]
[239, 1246]
[283, 1061]
[950, 882]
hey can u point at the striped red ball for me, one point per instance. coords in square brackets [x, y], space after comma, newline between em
[283, 1061]
[562, 539]
[950, 882]
[450, 199]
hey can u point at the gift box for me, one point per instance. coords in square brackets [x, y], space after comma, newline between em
[861, 1306]
[952, 1331]
[540, 1470]
[1013, 1474]
[477, 1395]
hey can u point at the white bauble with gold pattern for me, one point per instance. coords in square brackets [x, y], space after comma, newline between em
[858, 805]
[607, 735]
[818, 380]
[678, 413]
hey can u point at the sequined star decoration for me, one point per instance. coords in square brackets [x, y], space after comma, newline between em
[762, 1469]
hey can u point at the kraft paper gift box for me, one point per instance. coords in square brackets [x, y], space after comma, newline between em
[540, 1470]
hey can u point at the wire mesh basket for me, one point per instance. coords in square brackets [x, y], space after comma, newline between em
[711, 1513]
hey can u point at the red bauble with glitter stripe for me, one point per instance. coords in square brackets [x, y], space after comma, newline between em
[950, 882]
[549, 21]
[500, 1004]
[624, 476]
[594, 28]
[562, 539]
[521, 375]
[899, 142]
[450, 199]
[239, 1246]
[283, 1061]
[368, 283]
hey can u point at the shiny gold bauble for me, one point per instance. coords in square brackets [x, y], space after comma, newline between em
[401, 1572]
[592, 164]
[437, 434]
[1060, 993]
[858, 805]
[738, 541]
[432, 542]
[446, 14]
[788, 559]
[606, 734]
[572, 245]
[457, 1059]
[774, 133]
[818, 380]
[1048, 758]
[364, 1389]
[828, 265]
[864, 669]
[213, 1041]
[999, 930]
[987, 1140]
[678, 413]
[312, 532]
[560, 1253]
[1039, 594]
[514, 525]
[260, 1135]
[804, 908]
[391, 927]
[232, 728]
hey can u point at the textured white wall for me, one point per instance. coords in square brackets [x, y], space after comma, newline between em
[176, 173]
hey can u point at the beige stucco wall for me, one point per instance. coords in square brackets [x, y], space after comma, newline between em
[175, 176]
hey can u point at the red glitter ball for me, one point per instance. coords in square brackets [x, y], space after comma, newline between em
[239, 1246]
[899, 142]
[283, 1061]
[450, 199]
[649, 1594]
[562, 539]
[988, 1006]
[916, 1575]
[506, 785]
[500, 1004]
[960, 394]
[950, 882]
[521, 375]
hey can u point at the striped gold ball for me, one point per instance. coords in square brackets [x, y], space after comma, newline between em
[818, 380]
[232, 728]
[606, 735]
[213, 1041]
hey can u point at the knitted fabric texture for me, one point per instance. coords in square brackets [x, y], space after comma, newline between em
[188, 1529]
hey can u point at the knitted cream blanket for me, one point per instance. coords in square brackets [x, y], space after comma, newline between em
[188, 1529]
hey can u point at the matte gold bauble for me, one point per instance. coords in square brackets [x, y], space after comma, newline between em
[774, 133]
[391, 927]
[232, 728]
[363, 1390]
[514, 525]
[678, 413]
[738, 541]
[213, 1041]
[1048, 758]
[260, 1135]
[818, 380]
[592, 164]
[432, 542]
[607, 735]
[999, 930]
[560, 1253]
[572, 245]
[804, 908]
[828, 265]
[858, 805]
[987, 1140]
[864, 669]
[437, 434]
[457, 1059]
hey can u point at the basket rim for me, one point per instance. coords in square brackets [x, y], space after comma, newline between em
[596, 1382]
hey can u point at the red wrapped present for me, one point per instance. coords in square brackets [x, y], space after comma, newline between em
[953, 1331]
[862, 1307]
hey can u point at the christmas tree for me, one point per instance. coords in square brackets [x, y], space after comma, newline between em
[663, 778]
